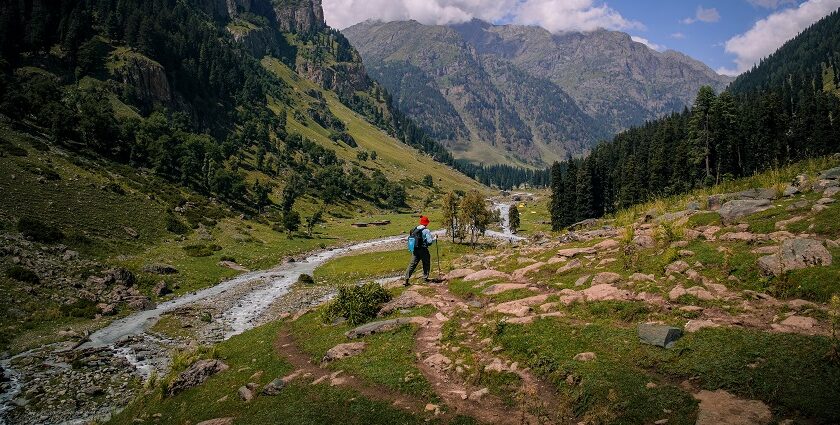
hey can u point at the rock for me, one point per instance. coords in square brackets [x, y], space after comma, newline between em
[585, 357]
[659, 335]
[93, 390]
[700, 293]
[273, 388]
[246, 393]
[217, 421]
[486, 275]
[795, 254]
[826, 201]
[141, 303]
[161, 289]
[503, 287]
[800, 304]
[742, 237]
[721, 408]
[160, 269]
[571, 265]
[582, 280]
[520, 307]
[458, 274]
[831, 192]
[695, 325]
[119, 276]
[790, 190]
[685, 253]
[438, 361]
[799, 322]
[644, 241]
[606, 292]
[233, 266]
[606, 278]
[106, 309]
[408, 299]
[676, 292]
[709, 232]
[341, 351]
[520, 273]
[478, 394]
[606, 245]
[832, 174]
[678, 266]
[758, 194]
[573, 252]
[196, 374]
[734, 210]
[382, 326]
[641, 277]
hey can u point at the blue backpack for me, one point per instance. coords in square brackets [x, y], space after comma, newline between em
[416, 240]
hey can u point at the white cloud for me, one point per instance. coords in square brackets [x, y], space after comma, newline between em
[770, 4]
[770, 33]
[677, 35]
[646, 42]
[553, 15]
[703, 15]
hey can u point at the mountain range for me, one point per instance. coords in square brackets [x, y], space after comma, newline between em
[520, 94]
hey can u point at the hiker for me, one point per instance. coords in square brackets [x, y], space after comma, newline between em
[419, 240]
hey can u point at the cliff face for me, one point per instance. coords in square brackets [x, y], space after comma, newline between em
[299, 16]
[145, 76]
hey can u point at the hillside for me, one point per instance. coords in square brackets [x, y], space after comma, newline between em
[519, 93]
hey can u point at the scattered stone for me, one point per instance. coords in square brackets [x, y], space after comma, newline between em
[606, 245]
[573, 252]
[195, 375]
[700, 293]
[678, 266]
[659, 335]
[503, 287]
[585, 357]
[695, 325]
[233, 266]
[795, 254]
[742, 237]
[640, 277]
[831, 191]
[582, 280]
[800, 304]
[826, 201]
[831, 174]
[772, 249]
[161, 289]
[790, 190]
[799, 322]
[246, 392]
[677, 292]
[485, 275]
[722, 408]
[571, 265]
[520, 273]
[685, 253]
[644, 241]
[734, 210]
[606, 278]
[341, 351]
[520, 307]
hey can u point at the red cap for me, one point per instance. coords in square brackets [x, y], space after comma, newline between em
[424, 220]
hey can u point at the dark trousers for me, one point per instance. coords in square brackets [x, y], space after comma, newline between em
[420, 254]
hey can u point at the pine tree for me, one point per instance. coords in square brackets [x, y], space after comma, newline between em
[557, 196]
[475, 215]
[451, 220]
[513, 218]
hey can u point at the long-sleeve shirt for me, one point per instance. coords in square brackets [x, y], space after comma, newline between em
[427, 235]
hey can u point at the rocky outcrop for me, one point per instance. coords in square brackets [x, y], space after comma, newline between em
[147, 77]
[795, 254]
[733, 210]
[195, 375]
[299, 16]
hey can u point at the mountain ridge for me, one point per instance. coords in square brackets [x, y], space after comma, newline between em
[458, 60]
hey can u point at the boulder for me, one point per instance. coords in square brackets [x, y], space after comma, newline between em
[659, 335]
[641, 277]
[722, 408]
[195, 375]
[502, 287]
[644, 241]
[247, 392]
[438, 361]
[606, 278]
[341, 351]
[795, 254]
[742, 237]
[832, 174]
[520, 273]
[478, 394]
[606, 292]
[382, 326]
[582, 280]
[458, 273]
[486, 275]
[799, 322]
[161, 289]
[831, 191]
[273, 388]
[678, 266]
[520, 307]
[573, 252]
[160, 269]
[606, 245]
[408, 299]
[571, 265]
[585, 357]
[733, 210]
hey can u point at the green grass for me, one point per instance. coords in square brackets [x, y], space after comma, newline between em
[704, 219]
[816, 283]
[388, 359]
[824, 223]
[297, 403]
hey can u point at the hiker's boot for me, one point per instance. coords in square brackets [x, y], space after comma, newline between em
[406, 283]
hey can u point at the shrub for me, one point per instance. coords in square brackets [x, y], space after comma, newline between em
[176, 226]
[81, 309]
[22, 274]
[305, 279]
[201, 250]
[38, 231]
[358, 304]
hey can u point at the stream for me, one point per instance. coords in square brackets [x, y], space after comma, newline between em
[243, 302]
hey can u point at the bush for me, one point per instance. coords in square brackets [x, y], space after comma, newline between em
[22, 274]
[38, 231]
[358, 304]
[201, 250]
[305, 279]
[176, 226]
[82, 309]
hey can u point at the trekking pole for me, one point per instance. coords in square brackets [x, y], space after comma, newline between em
[437, 250]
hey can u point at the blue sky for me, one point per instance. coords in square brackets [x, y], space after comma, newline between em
[728, 35]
